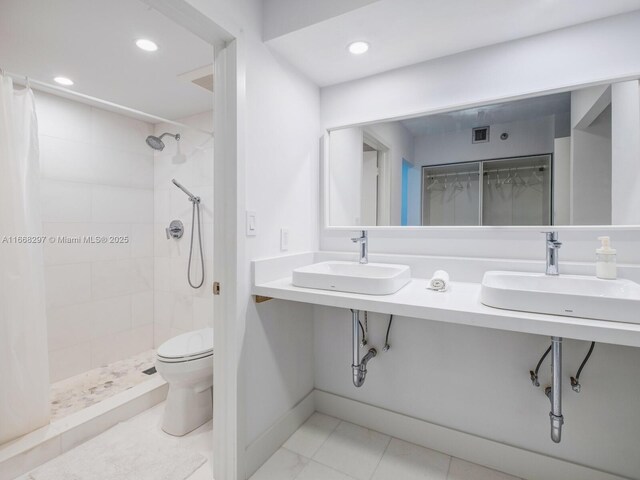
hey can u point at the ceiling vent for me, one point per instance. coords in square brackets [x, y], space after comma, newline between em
[480, 135]
[202, 77]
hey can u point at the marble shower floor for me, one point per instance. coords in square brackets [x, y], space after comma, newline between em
[78, 392]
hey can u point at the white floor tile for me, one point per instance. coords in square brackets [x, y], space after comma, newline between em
[309, 437]
[411, 462]
[353, 450]
[317, 471]
[462, 470]
[283, 465]
[203, 473]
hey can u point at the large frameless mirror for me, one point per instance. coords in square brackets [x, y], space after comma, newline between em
[570, 158]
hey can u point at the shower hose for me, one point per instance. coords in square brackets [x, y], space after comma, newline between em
[196, 209]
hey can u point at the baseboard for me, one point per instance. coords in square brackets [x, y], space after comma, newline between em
[38, 447]
[270, 441]
[515, 461]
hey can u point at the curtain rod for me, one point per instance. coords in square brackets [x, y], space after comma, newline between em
[47, 87]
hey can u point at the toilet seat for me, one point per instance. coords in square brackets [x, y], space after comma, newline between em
[187, 347]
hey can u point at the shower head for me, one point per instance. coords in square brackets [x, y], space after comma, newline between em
[156, 142]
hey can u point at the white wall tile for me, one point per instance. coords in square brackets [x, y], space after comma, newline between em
[109, 129]
[66, 160]
[111, 316]
[112, 166]
[58, 252]
[203, 310]
[62, 118]
[65, 201]
[66, 362]
[111, 278]
[142, 240]
[121, 205]
[97, 180]
[142, 308]
[116, 250]
[141, 275]
[70, 325]
[67, 284]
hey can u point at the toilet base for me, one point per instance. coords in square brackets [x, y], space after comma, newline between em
[186, 409]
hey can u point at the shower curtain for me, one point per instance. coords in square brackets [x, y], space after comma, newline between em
[24, 365]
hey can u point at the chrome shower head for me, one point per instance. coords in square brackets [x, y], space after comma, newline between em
[156, 142]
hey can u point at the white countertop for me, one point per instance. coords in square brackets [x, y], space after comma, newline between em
[459, 305]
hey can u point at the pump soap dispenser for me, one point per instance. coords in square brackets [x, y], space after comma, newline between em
[606, 260]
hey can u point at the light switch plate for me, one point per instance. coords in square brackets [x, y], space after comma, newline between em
[252, 224]
[284, 239]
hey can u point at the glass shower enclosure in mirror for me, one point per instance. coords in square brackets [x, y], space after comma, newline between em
[540, 161]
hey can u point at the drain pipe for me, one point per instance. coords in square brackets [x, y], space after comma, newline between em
[555, 391]
[359, 367]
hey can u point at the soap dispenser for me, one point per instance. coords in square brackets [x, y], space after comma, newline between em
[606, 260]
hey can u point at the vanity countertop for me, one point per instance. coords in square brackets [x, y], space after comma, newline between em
[460, 304]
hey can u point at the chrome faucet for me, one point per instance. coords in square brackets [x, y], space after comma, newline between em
[364, 246]
[553, 245]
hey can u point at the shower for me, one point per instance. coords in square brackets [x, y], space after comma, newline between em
[156, 142]
[195, 209]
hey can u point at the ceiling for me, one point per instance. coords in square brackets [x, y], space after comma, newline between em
[558, 104]
[404, 32]
[93, 43]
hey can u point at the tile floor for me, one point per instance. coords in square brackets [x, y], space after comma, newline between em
[200, 440]
[80, 391]
[325, 448]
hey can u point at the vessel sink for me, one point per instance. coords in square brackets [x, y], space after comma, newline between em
[369, 278]
[569, 295]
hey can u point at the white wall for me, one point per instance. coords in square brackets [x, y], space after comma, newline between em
[399, 141]
[562, 181]
[557, 59]
[625, 133]
[279, 111]
[178, 307]
[476, 380]
[345, 154]
[526, 137]
[591, 156]
[97, 179]
[434, 369]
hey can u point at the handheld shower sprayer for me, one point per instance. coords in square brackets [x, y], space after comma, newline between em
[192, 197]
[195, 209]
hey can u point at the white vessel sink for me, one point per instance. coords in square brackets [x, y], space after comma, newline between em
[569, 295]
[370, 278]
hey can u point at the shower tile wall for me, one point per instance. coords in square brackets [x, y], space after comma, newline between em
[178, 307]
[97, 179]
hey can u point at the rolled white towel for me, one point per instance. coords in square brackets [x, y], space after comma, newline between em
[439, 281]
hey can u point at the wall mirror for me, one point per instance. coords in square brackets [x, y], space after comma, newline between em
[570, 158]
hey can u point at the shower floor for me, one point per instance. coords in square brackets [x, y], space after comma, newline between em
[76, 393]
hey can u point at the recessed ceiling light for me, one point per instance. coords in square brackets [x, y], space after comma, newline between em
[67, 82]
[146, 45]
[358, 48]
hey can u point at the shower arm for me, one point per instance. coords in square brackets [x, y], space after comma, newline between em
[191, 196]
[176, 137]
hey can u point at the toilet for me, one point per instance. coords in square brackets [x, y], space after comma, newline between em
[186, 363]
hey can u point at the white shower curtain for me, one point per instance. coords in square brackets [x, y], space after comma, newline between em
[24, 365]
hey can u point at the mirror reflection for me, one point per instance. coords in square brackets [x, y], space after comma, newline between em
[546, 160]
